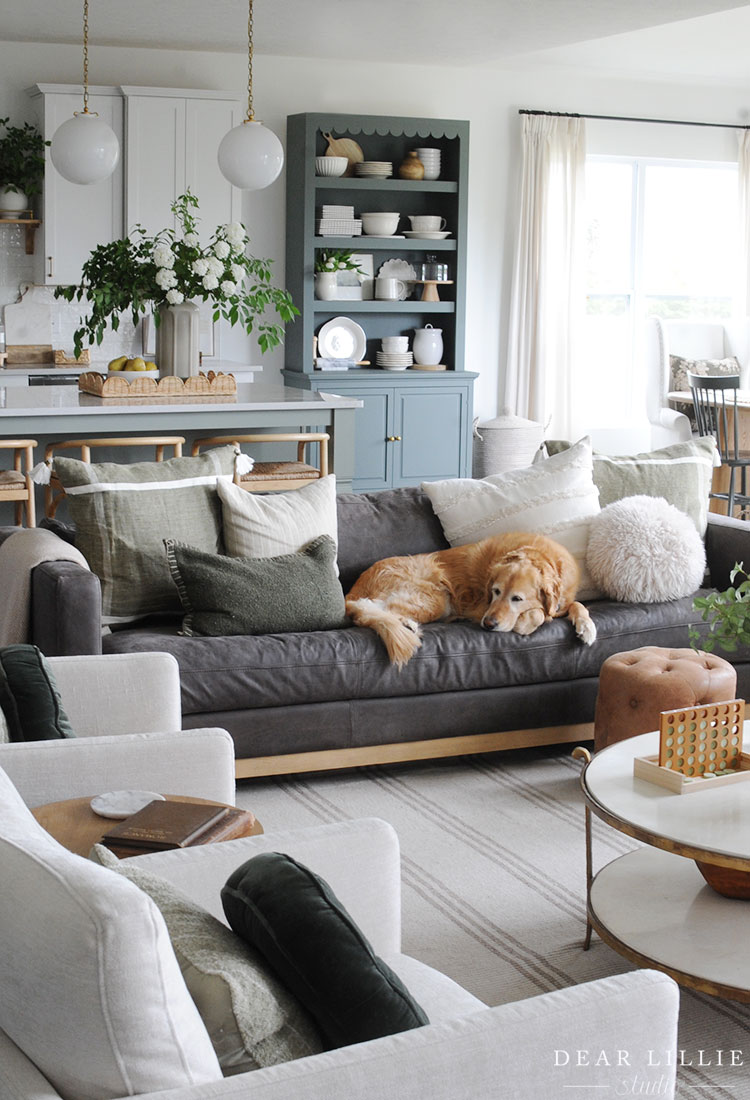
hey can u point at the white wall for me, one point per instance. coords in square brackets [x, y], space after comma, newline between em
[488, 97]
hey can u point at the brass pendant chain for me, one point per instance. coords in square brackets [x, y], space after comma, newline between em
[250, 116]
[85, 57]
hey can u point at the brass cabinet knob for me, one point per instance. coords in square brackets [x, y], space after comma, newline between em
[393, 439]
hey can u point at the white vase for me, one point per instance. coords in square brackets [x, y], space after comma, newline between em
[325, 285]
[178, 340]
[12, 203]
[428, 346]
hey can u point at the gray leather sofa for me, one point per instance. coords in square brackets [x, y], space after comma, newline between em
[307, 701]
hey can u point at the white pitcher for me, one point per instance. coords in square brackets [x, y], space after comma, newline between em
[428, 346]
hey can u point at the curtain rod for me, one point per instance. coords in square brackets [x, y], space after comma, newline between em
[627, 118]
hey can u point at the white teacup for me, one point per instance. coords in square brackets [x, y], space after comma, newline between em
[427, 223]
[395, 344]
[389, 289]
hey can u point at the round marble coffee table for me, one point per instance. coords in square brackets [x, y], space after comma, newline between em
[652, 905]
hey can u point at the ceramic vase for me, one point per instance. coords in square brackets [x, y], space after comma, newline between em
[325, 285]
[411, 167]
[178, 340]
[428, 345]
[12, 203]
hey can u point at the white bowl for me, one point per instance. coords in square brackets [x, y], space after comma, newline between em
[331, 166]
[380, 223]
[395, 343]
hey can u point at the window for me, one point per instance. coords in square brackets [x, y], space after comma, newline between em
[661, 240]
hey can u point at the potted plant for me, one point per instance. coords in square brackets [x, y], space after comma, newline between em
[170, 273]
[21, 166]
[328, 263]
[727, 613]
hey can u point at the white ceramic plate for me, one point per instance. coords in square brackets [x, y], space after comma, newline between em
[428, 235]
[342, 338]
[399, 269]
[383, 367]
[121, 804]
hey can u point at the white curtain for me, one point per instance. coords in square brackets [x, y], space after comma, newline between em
[743, 173]
[547, 297]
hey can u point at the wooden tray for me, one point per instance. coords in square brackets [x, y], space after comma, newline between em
[648, 768]
[139, 385]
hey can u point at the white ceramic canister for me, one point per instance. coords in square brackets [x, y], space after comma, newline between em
[428, 346]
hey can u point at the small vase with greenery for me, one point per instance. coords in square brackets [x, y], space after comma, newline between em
[21, 160]
[335, 259]
[143, 272]
[727, 613]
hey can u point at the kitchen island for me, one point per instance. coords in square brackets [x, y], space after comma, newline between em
[49, 413]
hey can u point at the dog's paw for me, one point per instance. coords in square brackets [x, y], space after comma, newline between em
[411, 624]
[586, 631]
[529, 621]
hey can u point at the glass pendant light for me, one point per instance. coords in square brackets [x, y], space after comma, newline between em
[250, 156]
[85, 149]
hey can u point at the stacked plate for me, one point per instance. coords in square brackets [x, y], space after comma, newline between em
[374, 169]
[431, 160]
[394, 360]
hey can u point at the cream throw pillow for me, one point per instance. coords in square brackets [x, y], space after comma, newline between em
[260, 526]
[556, 497]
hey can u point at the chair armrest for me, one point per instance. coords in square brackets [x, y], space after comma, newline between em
[514, 1050]
[198, 762]
[66, 609]
[142, 692]
[359, 859]
[727, 542]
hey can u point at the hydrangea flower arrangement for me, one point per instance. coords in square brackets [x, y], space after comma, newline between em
[142, 272]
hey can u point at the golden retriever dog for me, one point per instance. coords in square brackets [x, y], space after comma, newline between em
[507, 582]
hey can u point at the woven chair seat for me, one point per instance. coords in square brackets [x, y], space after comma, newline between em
[11, 479]
[281, 471]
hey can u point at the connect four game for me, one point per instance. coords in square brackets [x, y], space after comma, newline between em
[703, 741]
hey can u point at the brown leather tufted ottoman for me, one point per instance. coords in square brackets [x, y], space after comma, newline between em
[635, 686]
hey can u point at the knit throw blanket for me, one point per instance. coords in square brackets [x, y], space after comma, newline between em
[19, 554]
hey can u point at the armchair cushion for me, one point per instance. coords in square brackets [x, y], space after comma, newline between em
[29, 698]
[296, 921]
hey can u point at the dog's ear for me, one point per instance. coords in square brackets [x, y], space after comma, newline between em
[549, 591]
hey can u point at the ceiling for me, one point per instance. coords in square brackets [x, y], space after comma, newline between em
[457, 32]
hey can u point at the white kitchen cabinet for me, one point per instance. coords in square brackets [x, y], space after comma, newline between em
[172, 138]
[75, 218]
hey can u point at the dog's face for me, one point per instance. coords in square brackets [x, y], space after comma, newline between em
[519, 586]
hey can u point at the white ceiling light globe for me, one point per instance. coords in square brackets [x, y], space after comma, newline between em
[85, 149]
[250, 156]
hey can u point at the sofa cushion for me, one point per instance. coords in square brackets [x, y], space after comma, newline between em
[252, 1019]
[122, 514]
[259, 525]
[680, 473]
[224, 596]
[295, 920]
[91, 990]
[29, 699]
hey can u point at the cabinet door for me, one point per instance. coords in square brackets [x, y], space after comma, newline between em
[206, 123]
[432, 425]
[155, 174]
[373, 452]
[75, 219]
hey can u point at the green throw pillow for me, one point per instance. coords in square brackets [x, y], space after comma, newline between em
[29, 698]
[293, 592]
[293, 918]
[123, 513]
[680, 473]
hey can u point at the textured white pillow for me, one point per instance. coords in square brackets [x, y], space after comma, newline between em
[266, 526]
[91, 990]
[556, 497]
[644, 550]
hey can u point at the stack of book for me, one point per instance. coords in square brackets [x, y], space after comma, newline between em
[171, 824]
[337, 221]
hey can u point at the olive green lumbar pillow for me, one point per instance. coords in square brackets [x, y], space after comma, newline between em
[29, 698]
[251, 1018]
[293, 592]
[293, 918]
[123, 512]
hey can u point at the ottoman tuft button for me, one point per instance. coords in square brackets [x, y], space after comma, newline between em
[634, 703]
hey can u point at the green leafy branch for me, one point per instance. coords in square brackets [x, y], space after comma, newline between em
[727, 613]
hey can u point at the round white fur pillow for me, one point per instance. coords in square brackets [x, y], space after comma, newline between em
[643, 550]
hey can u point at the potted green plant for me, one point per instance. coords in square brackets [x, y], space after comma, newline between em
[727, 613]
[328, 263]
[21, 166]
[170, 273]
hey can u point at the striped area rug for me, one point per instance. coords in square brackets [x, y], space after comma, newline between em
[494, 884]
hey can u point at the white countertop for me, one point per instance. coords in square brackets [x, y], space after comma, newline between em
[223, 366]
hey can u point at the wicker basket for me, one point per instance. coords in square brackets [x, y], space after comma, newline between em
[505, 443]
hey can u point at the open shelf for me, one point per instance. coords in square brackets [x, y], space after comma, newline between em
[339, 305]
[31, 225]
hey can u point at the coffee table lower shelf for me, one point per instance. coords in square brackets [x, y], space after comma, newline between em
[655, 908]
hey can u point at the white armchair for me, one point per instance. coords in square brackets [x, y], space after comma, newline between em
[125, 710]
[691, 340]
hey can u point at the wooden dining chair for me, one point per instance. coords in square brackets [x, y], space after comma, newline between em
[279, 476]
[716, 413]
[16, 484]
[54, 492]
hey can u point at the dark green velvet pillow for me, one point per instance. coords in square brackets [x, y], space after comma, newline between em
[29, 698]
[222, 595]
[293, 918]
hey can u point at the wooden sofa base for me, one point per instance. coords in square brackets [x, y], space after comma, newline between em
[400, 752]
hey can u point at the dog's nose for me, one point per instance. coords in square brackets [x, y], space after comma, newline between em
[488, 623]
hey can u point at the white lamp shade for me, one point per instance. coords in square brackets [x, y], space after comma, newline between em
[250, 156]
[85, 149]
